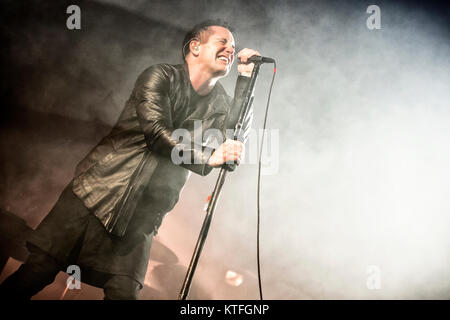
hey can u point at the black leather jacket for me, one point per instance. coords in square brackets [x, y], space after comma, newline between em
[110, 180]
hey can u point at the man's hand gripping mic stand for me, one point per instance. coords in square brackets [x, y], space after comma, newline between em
[218, 187]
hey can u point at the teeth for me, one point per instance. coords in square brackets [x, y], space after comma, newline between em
[224, 59]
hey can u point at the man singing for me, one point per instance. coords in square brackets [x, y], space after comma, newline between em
[106, 217]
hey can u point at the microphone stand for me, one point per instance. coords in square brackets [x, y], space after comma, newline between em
[218, 187]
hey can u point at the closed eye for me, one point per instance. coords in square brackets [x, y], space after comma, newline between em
[224, 41]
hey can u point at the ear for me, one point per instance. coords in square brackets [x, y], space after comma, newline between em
[194, 47]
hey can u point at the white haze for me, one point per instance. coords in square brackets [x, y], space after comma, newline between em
[364, 177]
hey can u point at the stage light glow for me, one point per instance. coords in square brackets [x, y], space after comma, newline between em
[233, 278]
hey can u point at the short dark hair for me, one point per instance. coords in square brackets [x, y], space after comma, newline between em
[197, 30]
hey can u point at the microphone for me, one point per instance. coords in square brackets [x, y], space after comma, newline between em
[259, 59]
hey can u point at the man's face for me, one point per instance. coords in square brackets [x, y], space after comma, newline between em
[218, 51]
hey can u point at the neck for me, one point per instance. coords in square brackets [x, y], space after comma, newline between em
[201, 78]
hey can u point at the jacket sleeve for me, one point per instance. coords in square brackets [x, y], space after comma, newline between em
[154, 114]
[236, 106]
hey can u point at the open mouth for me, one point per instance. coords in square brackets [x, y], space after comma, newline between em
[223, 59]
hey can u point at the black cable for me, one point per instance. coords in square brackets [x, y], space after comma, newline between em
[259, 184]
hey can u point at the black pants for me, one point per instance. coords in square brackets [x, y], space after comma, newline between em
[57, 243]
[41, 269]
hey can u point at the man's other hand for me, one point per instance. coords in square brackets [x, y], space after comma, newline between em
[245, 69]
[230, 151]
